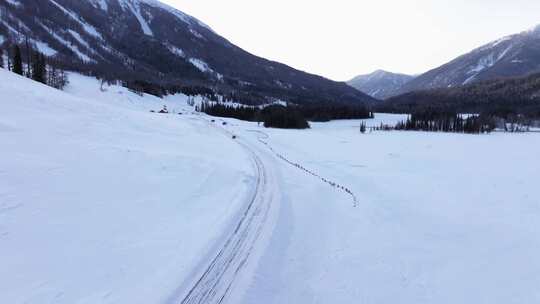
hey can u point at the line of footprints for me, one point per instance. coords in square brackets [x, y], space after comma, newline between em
[323, 179]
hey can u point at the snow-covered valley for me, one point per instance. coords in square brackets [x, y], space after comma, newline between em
[102, 201]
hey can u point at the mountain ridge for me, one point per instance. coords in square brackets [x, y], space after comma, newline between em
[514, 55]
[503, 97]
[147, 40]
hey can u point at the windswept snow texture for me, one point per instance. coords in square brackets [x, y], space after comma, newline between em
[102, 201]
[441, 218]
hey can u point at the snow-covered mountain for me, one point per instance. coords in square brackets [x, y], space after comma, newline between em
[380, 84]
[149, 41]
[511, 56]
[508, 96]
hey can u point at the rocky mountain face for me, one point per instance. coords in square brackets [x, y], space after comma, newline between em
[150, 41]
[512, 56]
[380, 84]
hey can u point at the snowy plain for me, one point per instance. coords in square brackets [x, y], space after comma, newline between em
[104, 202]
[441, 218]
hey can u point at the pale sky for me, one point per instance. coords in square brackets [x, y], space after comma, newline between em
[340, 39]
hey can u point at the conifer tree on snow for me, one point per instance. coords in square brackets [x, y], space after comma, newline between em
[363, 128]
[9, 65]
[39, 70]
[17, 60]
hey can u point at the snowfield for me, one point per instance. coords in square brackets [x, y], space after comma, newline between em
[102, 201]
[441, 218]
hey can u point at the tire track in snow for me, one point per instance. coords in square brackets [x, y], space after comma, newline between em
[307, 171]
[217, 280]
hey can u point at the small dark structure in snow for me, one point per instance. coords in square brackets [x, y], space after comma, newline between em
[213, 120]
[164, 110]
[234, 137]
[224, 123]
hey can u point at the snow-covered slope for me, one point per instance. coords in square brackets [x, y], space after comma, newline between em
[151, 42]
[380, 84]
[102, 201]
[512, 56]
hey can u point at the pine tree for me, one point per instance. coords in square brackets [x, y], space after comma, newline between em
[62, 79]
[363, 128]
[9, 67]
[52, 75]
[39, 70]
[17, 61]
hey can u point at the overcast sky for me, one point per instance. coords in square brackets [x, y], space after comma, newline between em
[340, 39]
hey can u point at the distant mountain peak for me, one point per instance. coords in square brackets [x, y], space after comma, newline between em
[380, 72]
[380, 84]
[534, 30]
